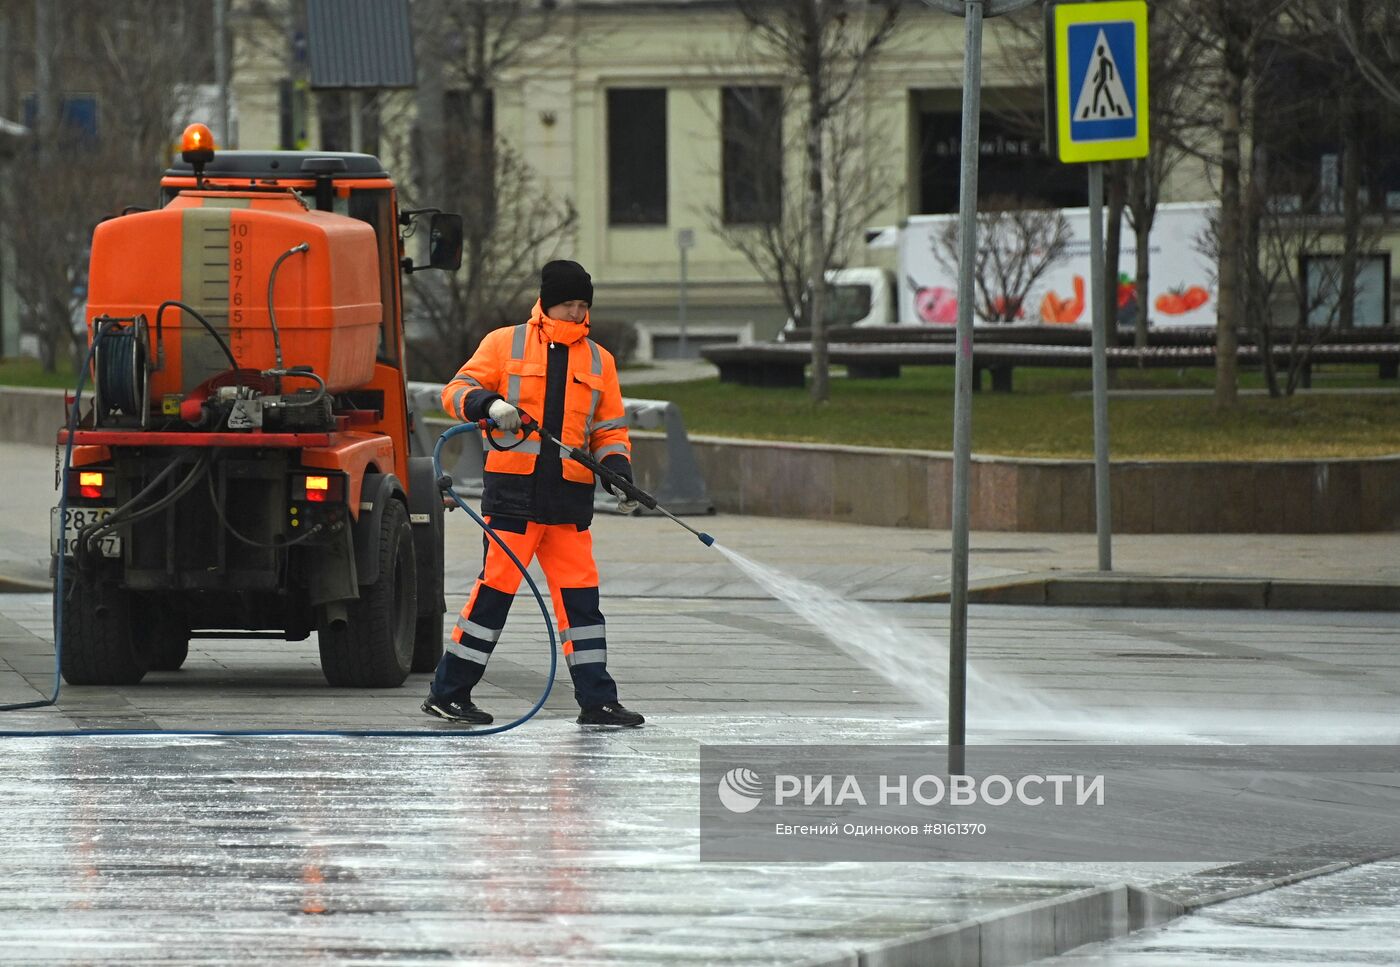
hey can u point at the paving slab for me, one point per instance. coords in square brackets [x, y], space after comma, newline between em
[553, 844]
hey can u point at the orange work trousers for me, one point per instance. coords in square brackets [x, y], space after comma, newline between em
[565, 554]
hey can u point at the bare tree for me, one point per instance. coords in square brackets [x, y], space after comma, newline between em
[1293, 300]
[512, 221]
[1172, 62]
[764, 216]
[1337, 36]
[120, 49]
[1371, 35]
[825, 48]
[1232, 35]
[1132, 187]
[1015, 248]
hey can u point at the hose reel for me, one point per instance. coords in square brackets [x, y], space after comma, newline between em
[121, 369]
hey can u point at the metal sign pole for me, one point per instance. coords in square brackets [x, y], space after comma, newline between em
[962, 383]
[972, 11]
[1103, 514]
[1096, 111]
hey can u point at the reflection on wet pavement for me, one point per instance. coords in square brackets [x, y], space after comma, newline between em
[552, 844]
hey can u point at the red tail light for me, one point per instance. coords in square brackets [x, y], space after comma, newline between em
[89, 483]
[319, 488]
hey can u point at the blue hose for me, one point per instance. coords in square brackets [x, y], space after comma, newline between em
[62, 512]
[358, 733]
[524, 571]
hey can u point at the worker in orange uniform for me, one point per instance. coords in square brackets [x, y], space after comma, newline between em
[537, 499]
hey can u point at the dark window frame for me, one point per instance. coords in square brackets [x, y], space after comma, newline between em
[751, 154]
[637, 156]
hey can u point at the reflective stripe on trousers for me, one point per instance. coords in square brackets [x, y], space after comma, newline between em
[566, 556]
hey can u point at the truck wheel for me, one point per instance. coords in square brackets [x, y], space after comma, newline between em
[373, 648]
[169, 641]
[427, 643]
[98, 645]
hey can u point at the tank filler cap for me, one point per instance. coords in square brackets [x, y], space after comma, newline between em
[324, 169]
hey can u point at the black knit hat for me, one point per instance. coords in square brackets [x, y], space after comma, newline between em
[564, 281]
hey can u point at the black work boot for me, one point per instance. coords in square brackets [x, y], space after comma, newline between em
[611, 714]
[456, 711]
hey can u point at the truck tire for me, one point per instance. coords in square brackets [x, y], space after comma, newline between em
[425, 502]
[98, 645]
[427, 643]
[169, 641]
[374, 648]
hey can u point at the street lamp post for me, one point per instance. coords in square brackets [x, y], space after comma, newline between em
[685, 241]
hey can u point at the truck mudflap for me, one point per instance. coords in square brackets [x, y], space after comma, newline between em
[375, 492]
[425, 511]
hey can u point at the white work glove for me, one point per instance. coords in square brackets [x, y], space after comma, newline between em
[506, 416]
[626, 505]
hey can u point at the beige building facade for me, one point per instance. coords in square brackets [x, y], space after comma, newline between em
[558, 105]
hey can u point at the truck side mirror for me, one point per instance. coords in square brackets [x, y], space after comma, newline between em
[445, 241]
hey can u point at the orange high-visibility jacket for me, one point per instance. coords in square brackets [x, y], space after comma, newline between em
[512, 362]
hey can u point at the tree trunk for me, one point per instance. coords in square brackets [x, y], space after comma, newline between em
[1113, 244]
[1231, 212]
[1144, 211]
[45, 132]
[816, 218]
[1351, 181]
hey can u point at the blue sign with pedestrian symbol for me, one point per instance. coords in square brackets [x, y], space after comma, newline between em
[1097, 55]
[1101, 71]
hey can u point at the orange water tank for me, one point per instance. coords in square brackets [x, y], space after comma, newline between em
[214, 251]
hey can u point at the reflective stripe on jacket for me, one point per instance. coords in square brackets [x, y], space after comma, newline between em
[513, 362]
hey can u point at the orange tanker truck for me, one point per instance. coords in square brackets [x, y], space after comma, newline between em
[241, 463]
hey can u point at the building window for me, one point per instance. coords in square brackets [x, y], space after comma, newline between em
[334, 108]
[469, 129]
[637, 156]
[1301, 136]
[1013, 162]
[469, 142]
[751, 125]
[291, 115]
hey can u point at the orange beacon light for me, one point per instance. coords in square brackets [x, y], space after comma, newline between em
[197, 147]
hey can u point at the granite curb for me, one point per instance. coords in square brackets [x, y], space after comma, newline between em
[1096, 590]
[1091, 590]
[1055, 925]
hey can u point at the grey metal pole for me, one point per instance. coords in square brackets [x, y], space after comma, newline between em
[1103, 513]
[962, 382]
[682, 307]
[357, 121]
[5, 340]
[221, 71]
[45, 104]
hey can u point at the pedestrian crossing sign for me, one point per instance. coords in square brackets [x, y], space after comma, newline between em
[1096, 80]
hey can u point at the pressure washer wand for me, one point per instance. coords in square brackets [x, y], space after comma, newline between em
[616, 480]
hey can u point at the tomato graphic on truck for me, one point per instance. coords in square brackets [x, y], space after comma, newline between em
[1183, 299]
[1181, 275]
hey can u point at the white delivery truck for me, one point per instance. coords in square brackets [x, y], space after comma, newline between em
[923, 291]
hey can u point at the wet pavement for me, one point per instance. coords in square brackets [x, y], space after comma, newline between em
[1348, 919]
[554, 844]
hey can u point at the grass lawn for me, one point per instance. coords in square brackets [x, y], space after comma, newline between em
[1050, 414]
[28, 372]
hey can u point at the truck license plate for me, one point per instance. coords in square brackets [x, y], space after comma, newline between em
[74, 520]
